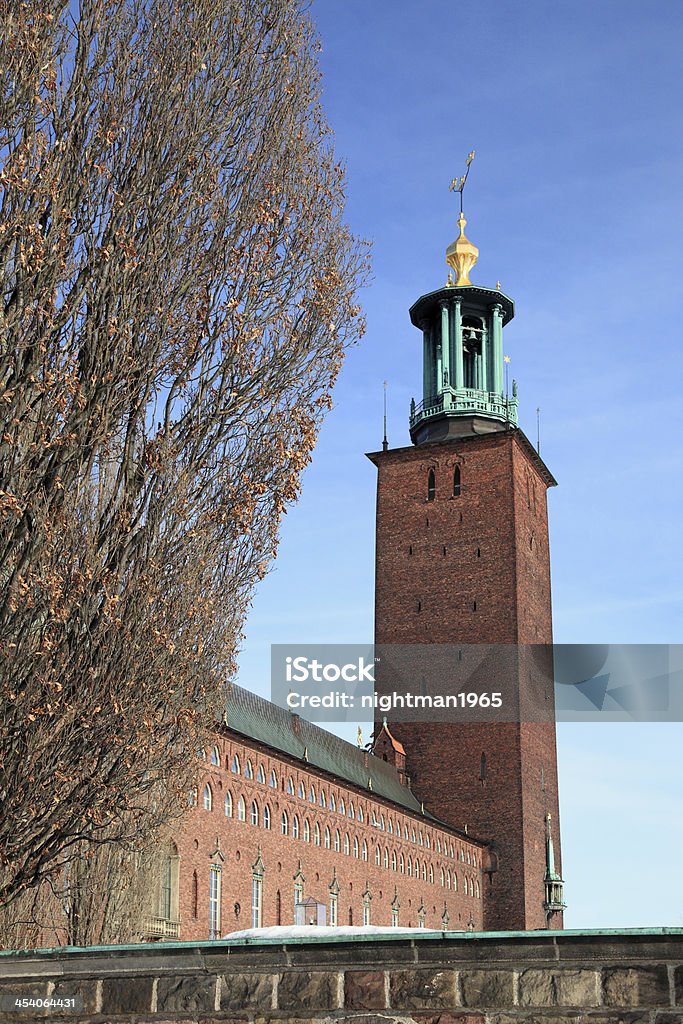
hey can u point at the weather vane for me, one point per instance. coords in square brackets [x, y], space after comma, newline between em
[458, 184]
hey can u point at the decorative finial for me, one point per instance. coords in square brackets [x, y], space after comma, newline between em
[461, 255]
[359, 737]
[498, 286]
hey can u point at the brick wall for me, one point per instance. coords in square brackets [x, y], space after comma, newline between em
[542, 978]
[208, 836]
[474, 569]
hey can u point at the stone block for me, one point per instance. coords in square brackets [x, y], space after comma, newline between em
[577, 988]
[246, 992]
[536, 988]
[11, 991]
[636, 986]
[422, 989]
[559, 988]
[678, 985]
[196, 992]
[83, 991]
[364, 990]
[487, 988]
[126, 995]
[307, 990]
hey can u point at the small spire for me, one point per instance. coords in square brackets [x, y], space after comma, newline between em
[385, 443]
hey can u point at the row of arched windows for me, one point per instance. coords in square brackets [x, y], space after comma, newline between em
[332, 839]
[378, 821]
[431, 484]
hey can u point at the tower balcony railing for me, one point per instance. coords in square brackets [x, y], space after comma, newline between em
[465, 401]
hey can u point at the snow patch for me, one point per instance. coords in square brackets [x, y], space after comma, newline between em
[312, 931]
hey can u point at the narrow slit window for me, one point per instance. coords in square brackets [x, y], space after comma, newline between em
[456, 482]
[431, 486]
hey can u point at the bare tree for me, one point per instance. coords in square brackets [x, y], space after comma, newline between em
[177, 295]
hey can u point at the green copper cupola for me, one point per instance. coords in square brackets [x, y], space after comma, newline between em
[464, 383]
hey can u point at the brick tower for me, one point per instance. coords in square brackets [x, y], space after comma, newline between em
[462, 557]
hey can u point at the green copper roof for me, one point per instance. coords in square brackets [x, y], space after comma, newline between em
[258, 719]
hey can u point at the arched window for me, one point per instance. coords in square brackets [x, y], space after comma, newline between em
[295, 827]
[311, 794]
[266, 816]
[361, 817]
[365, 850]
[378, 855]
[438, 845]
[420, 840]
[235, 765]
[405, 832]
[261, 775]
[416, 868]
[322, 801]
[241, 809]
[316, 834]
[284, 824]
[337, 841]
[393, 860]
[347, 844]
[428, 842]
[476, 890]
[402, 864]
[431, 874]
[351, 811]
[215, 756]
[385, 858]
[456, 482]
[214, 901]
[272, 779]
[443, 879]
[290, 786]
[381, 822]
[342, 806]
[208, 797]
[227, 805]
[431, 486]
[412, 835]
[455, 882]
[302, 792]
[448, 879]
[327, 838]
[249, 770]
[333, 802]
[410, 868]
[424, 871]
[307, 831]
[390, 827]
[254, 813]
[355, 847]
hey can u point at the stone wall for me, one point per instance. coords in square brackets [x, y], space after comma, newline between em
[491, 978]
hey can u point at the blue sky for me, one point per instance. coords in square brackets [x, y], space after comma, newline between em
[575, 203]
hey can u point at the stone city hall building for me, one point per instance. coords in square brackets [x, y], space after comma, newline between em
[446, 826]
